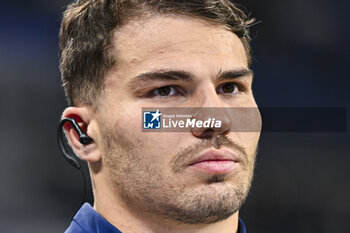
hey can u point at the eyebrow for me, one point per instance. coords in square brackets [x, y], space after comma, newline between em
[180, 75]
[232, 74]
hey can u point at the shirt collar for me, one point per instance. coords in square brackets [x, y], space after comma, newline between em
[241, 226]
[91, 221]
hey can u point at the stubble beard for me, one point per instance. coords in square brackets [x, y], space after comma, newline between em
[142, 186]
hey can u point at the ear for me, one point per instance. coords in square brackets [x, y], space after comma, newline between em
[84, 117]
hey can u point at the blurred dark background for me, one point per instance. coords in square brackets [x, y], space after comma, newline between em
[301, 59]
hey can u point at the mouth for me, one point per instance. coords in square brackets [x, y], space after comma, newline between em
[216, 162]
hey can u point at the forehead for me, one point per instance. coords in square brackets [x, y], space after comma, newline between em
[176, 42]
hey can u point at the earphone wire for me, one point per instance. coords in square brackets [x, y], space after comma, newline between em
[71, 159]
[85, 191]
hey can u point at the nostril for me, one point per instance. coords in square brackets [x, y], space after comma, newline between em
[204, 134]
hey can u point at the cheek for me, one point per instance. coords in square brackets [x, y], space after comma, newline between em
[161, 146]
[149, 145]
[252, 140]
[249, 140]
[249, 124]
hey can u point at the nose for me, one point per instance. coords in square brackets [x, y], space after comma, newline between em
[211, 122]
[214, 114]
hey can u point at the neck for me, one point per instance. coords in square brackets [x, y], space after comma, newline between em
[130, 220]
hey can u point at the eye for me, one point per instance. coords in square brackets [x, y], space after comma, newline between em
[228, 88]
[166, 91]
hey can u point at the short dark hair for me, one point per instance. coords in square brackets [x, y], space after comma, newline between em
[88, 26]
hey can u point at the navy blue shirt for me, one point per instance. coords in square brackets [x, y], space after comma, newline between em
[87, 220]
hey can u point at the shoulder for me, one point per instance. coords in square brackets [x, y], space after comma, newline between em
[82, 220]
[87, 220]
[75, 227]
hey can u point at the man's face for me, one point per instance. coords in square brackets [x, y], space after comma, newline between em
[154, 172]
